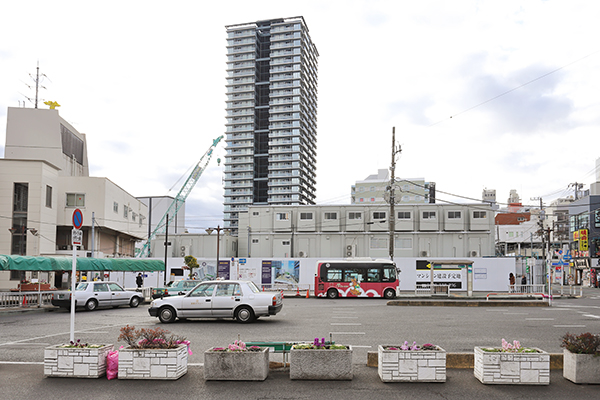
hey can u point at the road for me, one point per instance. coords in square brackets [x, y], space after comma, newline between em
[363, 323]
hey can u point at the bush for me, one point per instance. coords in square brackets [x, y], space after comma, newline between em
[150, 338]
[585, 343]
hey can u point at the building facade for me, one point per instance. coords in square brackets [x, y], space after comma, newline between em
[422, 230]
[374, 190]
[43, 178]
[271, 116]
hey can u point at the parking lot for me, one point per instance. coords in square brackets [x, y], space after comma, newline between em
[362, 323]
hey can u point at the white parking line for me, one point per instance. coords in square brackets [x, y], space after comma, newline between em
[569, 326]
[592, 316]
[344, 324]
[540, 319]
[347, 333]
[344, 317]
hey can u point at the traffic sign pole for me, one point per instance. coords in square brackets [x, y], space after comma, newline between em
[77, 223]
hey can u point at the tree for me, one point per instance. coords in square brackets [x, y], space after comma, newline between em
[191, 262]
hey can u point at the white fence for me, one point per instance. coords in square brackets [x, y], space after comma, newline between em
[25, 299]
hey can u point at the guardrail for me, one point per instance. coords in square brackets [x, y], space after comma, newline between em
[570, 289]
[25, 299]
[526, 288]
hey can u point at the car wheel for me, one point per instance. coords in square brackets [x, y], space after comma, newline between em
[332, 294]
[91, 305]
[134, 302]
[167, 315]
[244, 314]
[389, 294]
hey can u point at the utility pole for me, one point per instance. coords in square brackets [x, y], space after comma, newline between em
[576, 186]
[392, 217]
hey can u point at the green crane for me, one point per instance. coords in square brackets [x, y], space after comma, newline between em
[179, 200]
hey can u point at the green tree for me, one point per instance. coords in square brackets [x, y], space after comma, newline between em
[191, 263]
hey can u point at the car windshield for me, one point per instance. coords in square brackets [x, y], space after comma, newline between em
[81, 286]
[253, 287]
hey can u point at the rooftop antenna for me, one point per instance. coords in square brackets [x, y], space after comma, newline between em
[37, 81]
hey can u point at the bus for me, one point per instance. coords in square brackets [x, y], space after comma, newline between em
[356, 278]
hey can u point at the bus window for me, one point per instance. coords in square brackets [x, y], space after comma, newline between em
[374, 275]
[389, 274]
[333, 275]
[356, 274]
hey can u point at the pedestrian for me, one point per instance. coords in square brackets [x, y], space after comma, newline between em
[139, 280]
[523, 283]
[511, 279]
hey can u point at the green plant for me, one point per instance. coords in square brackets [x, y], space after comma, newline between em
[150, 338]
[316, 344]
[585, 343]
[236, 346]
[515, 347]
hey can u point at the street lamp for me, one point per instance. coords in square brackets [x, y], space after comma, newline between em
[218, 229]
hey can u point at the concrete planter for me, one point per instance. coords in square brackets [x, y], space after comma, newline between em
[512, 368]
[581, 368]
[76, 362]
[411, 365]
[321, 364]
[236, 365]
[153, 363]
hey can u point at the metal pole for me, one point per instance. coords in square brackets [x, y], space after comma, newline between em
[73, 279]
[218, 240]
[166, 247]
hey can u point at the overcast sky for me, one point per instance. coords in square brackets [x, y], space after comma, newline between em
[483, 94]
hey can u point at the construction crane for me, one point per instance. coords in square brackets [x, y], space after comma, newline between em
[179, 200]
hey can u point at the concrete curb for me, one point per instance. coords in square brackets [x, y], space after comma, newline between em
[465, 360]
[469, 303]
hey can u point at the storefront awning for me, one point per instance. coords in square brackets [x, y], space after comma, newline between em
[26, 263]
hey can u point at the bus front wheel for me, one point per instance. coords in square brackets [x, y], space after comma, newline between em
[389, 294]
[332, 294]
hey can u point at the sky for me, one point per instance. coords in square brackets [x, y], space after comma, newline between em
[482, 94]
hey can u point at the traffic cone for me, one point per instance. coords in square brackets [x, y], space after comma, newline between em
[307, 294]
[298, 292]
[24, 301]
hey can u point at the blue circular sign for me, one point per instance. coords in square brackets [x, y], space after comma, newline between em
[77, 218]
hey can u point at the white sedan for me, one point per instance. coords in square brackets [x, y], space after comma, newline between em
[92, 295]
[241, 300]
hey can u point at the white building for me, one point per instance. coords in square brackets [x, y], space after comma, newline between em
[44, 177]
[373, 189]
[423, 230]
[271, 116]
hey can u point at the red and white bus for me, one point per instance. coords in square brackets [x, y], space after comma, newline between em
[356, 278]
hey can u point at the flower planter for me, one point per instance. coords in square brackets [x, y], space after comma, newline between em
[321, 364]
[153, 363]
[512, 368]
[411, 365]
[581, 368]
[76, 362]
[236, 365]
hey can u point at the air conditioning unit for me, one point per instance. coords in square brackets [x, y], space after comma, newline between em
[182, 248]
[423, 253]
[348, 254]
[473, 253]
[301, 254]
[182, 254]
[349, 247]
[350, 251]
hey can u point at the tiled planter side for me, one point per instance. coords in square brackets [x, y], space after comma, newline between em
[321, 364]
[581, 368]
[411, 366]
[512, 368]
[153, 363]
[76, 362]
[236, 365]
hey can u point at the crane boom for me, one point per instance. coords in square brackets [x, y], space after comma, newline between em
[179, 200]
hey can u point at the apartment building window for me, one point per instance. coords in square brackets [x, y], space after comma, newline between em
[379, 215]
[254, 213]
[330, 216]
[403, 214]
[133, 216]
[75, 200]
[378, 243]
[454, 215]
[403, 243]
[306, 216]
[479, 214]
[429, 215]
[48, 196]
[254, 241]
[116, 207]
[285, 243]
[282, 216]
[354, 215]
[125, 211]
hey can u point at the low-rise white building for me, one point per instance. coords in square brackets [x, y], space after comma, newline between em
[44, 177]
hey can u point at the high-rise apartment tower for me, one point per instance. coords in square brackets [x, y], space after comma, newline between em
[271, 130]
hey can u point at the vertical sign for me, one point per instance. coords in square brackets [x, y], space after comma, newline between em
[77, 224]
[266, 272]
[223, 269]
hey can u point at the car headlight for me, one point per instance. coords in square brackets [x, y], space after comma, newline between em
[152, 304]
